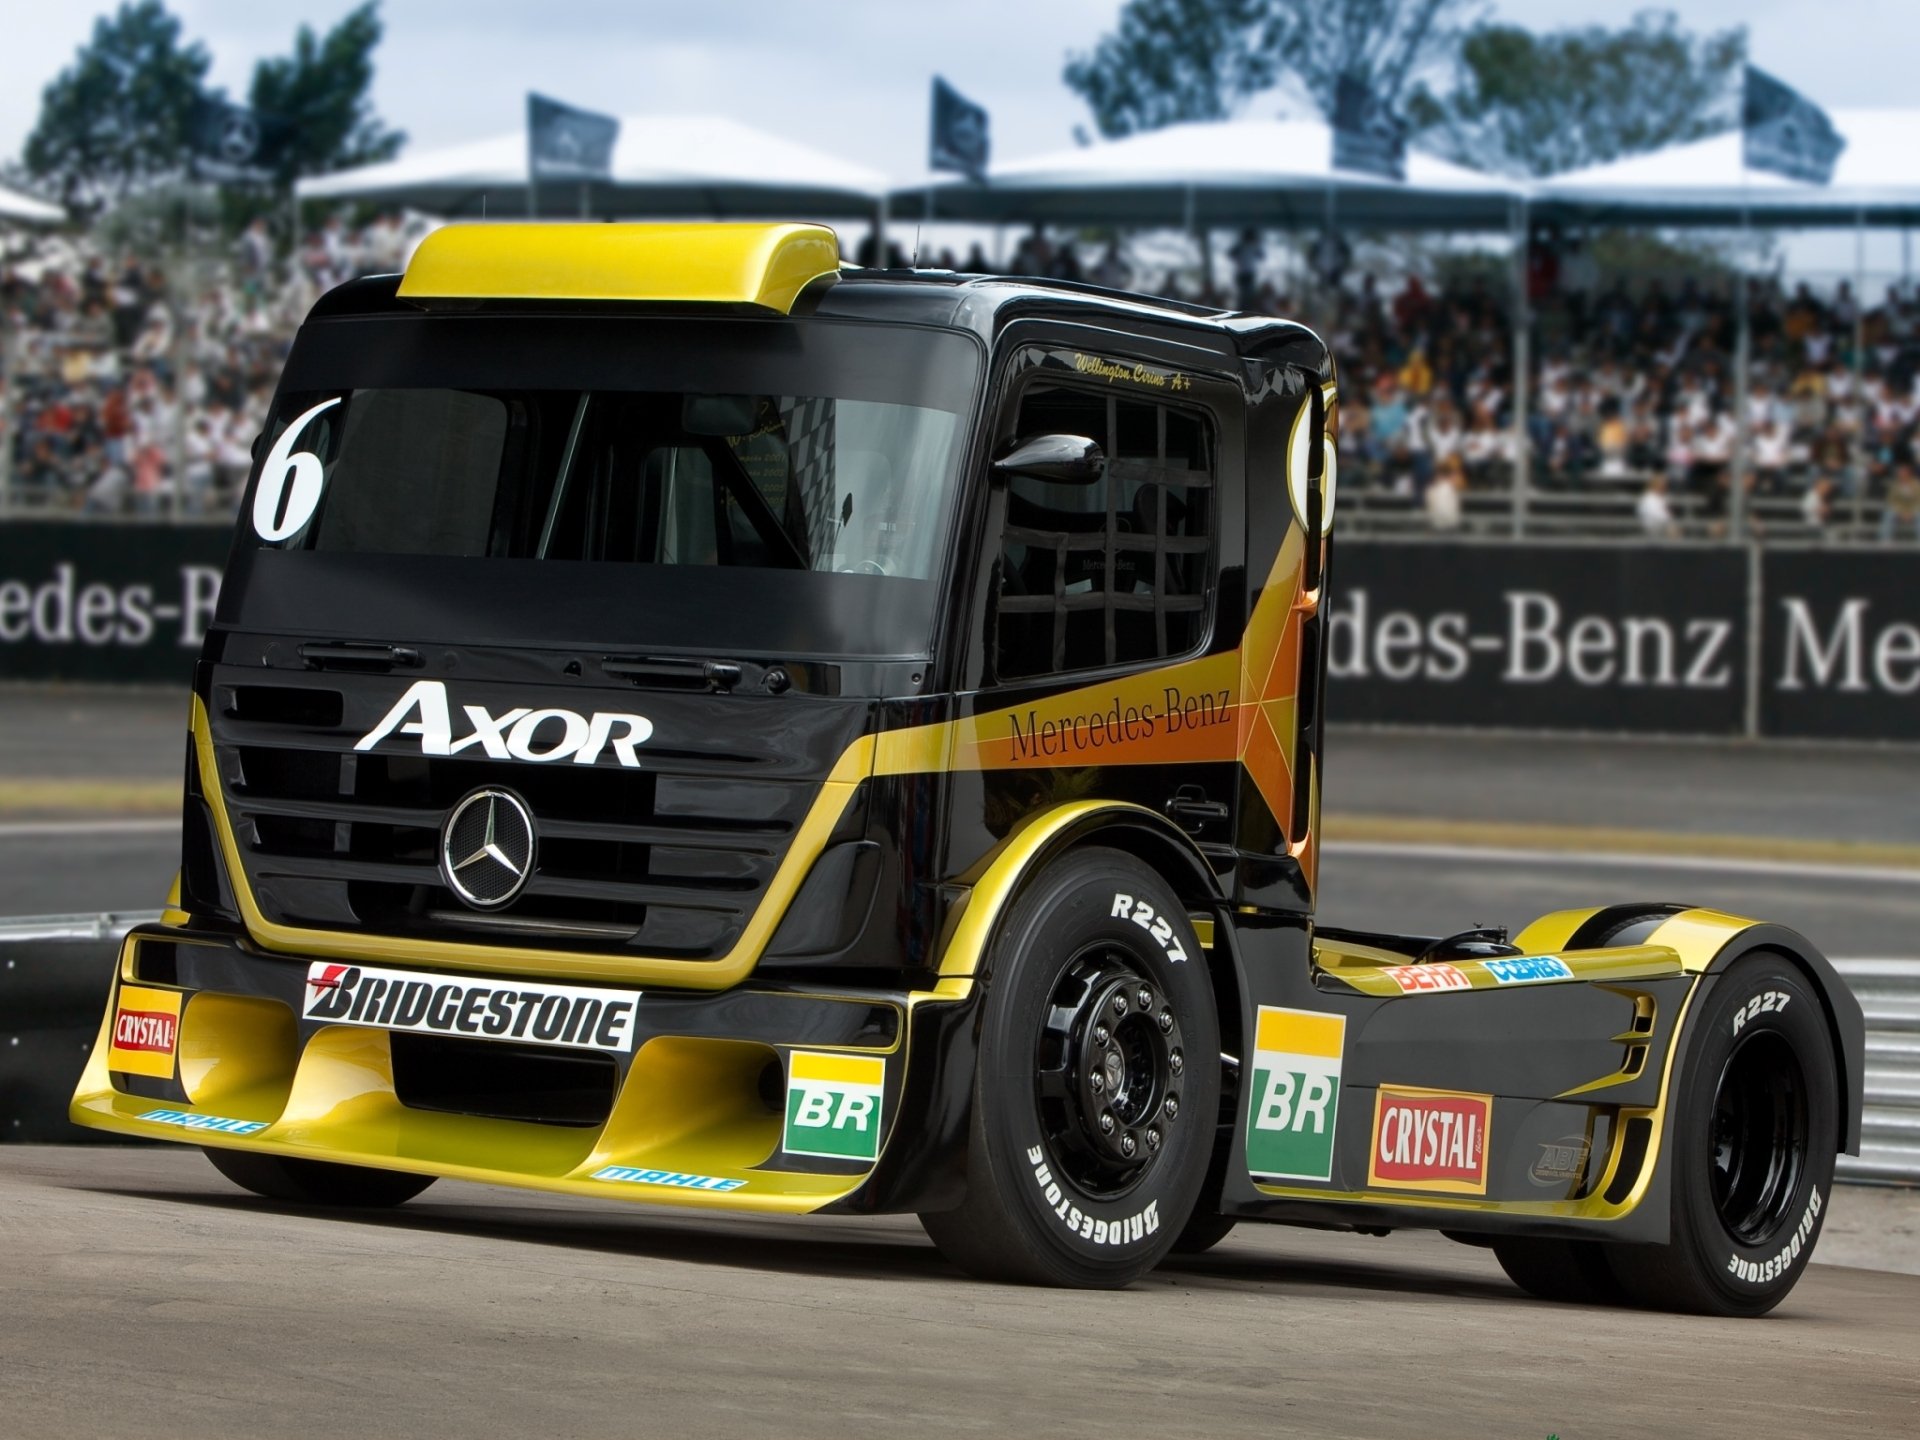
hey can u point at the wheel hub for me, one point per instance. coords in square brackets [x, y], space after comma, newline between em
[1757, 1137]
[1111, 1058]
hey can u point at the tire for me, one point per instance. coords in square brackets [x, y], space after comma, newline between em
[1756, 1119]
[1574, 1272]
[1054, 1196]
[1203, 1231]
[317, 1182]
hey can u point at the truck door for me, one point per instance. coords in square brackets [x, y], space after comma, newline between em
[1102, 647]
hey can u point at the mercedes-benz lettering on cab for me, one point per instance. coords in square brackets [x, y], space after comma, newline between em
[688, 723]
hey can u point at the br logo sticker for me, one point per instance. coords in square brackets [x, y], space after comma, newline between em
[1295, 1097]
[833, 1105]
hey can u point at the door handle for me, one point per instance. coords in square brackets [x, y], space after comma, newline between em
[1190, 809]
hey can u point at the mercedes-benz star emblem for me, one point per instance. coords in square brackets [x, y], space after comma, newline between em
[486, 848]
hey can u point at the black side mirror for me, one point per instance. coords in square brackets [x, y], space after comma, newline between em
[1058, 459]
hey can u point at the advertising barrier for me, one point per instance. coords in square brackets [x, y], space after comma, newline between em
[1650, 639]
[1539, 637]
[113, 602]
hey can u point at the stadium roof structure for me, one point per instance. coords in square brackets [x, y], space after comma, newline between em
[677, 165]
[1706, 182]
[26, 210]
[1228, 172]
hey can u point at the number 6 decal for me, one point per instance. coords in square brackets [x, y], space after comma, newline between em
[290, 483]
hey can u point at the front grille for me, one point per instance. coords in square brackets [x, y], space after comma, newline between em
[668, 861]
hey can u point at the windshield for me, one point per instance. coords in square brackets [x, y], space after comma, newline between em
[801, 482]
[772, 486]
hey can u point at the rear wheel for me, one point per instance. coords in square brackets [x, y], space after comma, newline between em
[1756, 1118]
[316, 1182]
[1097, 1085]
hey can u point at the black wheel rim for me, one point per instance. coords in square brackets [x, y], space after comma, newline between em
[1758, 1137]
[1109, 1064]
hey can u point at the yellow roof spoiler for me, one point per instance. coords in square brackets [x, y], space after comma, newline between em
[763, 266]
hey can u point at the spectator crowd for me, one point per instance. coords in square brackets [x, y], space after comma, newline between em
[135, 390]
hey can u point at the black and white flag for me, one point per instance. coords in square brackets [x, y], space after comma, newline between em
[959, 133]
[1786, 133]
[1367, 135]
[233, 144]
[568, 144]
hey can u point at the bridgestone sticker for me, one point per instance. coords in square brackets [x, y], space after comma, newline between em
[568, 1016]
[1294, 1102]
[186, 1120]
[1766, 1271]
[833, 1105]
[1126, 1231]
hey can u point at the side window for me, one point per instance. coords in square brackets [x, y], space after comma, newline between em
[1116, 572]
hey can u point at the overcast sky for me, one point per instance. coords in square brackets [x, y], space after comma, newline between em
[848, 76]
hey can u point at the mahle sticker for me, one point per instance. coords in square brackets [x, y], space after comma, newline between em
[1295, 1098]
[833, 1105]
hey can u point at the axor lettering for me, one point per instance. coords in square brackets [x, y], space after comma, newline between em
[539, 736]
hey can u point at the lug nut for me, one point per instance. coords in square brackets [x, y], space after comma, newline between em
[1119, 1004]
[1166, 1022]
[1101, 1035]
[1153, 1139]
[1176, 1063]
[1106, 1123]
[1172, 1106]
[1145, 998]
[1127, 1146]
[1097, 1082]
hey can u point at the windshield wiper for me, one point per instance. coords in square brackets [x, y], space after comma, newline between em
[716, 676]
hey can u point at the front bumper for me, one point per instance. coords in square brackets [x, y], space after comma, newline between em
[770, 1098]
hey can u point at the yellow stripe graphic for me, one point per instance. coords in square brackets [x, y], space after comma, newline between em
[837, 1069]
[1298, 1032]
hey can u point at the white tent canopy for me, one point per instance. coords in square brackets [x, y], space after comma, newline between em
[1707, 182]
[15, 206]
[1235, 172]
[691, 165]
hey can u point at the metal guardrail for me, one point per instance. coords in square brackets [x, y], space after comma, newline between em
[1889, 992]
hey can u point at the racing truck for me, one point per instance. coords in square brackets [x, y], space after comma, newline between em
[688, 722]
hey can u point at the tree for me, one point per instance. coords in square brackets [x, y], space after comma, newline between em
[316, 100]
[1528, 104]
[1173, 60]
[117, 119]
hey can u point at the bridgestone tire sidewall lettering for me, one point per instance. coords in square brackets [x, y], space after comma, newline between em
[1146, 1219]
[1755, 1277]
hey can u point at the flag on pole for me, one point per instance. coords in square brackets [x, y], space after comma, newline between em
[959, 133]
[232, 144]
[1785, 132]
[1367, 135]
[568, 144]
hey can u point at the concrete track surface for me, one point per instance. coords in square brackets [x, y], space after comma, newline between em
[143, 1296]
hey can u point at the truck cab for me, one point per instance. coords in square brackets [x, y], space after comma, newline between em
[691, 723]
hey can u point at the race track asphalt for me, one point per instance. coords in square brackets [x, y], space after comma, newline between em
[144, 1296]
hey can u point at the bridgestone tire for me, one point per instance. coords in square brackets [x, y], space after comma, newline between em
[1572, 1271]
[1738, 1246]
[1203, 1231]
[316, 1182]
[1047, 1201]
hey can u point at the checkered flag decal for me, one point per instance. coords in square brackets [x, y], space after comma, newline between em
[808, 421]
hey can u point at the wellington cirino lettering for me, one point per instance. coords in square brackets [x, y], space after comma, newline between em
[1138, 374]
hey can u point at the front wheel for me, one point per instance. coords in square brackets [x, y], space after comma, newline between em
[1097, 1087]
[316, 1182]
[1756, 1117]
